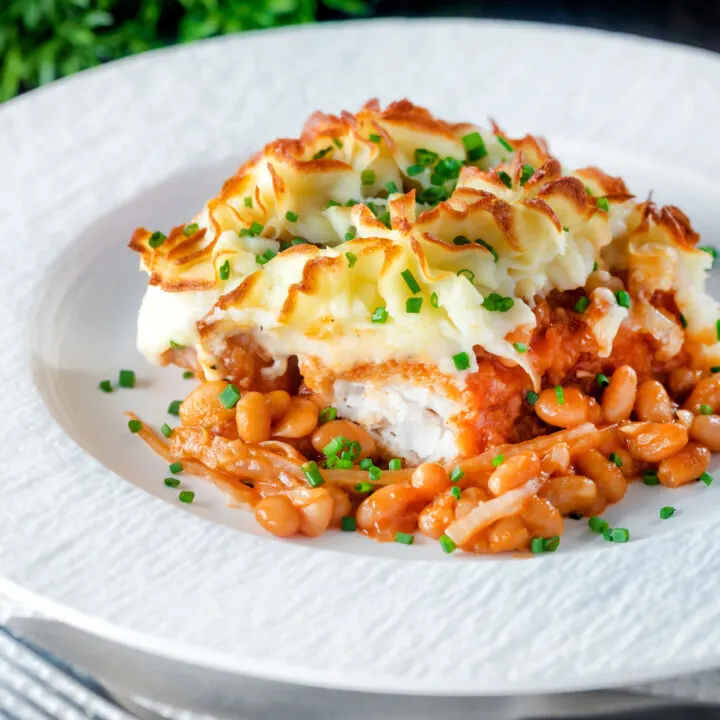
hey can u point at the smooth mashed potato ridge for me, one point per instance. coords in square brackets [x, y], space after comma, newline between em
[400, 260]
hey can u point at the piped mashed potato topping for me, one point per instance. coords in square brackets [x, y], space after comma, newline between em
[393, 241]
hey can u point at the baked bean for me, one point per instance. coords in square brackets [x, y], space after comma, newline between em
[682, 380]
[471, 497]
[278, 515]
[557, 459]
[572, 411]
[203, 407]
[706, 430]
[316, 509]
[594, 411]
[606, 474]
[278, 402]
[508, 534]
[541, 517]
[619, 396]
[347, 429]
[434, 519]
[341, 503]
[652, 403]
[685, 418]
[598, 507]
[684, 467]
[300, 419]
[391, 509]
[515, 471]
[628, 465]
[706, 392]
[431, 479]
[654, 442]
[252, 418]
[570, 493]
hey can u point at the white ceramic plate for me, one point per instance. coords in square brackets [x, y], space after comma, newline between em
[87, 529]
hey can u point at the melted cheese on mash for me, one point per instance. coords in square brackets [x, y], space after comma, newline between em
[391, 235]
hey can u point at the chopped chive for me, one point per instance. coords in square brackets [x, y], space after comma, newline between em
[717, 329]
[175, 468]
[322, 153]
[666, 512]
[105, 386]
[616, 459]
[404, 538]
[469, 274]
[176, 346]
[683, 321]
[603, 204]
[560, 395]
[354, 448]
[229, 396]
[710, 251]
[334, 446]
[171, 482]
[602, 380]
[290, 216]
[461, 361]
[505, 143]
[706, 479]
[344, 463]
[495, 302]
[715, 369]
[363, 487]
[379, 315]
[372, 207]
[415, 170]
[332, 203]
[488, 247]
[617, 535]
[348, 524]
[298, 241]
[434, 300]
[457, 474]
[531, 397]
[224, 270]
[526, 173]
[384, 218]
[166, 430]
[474, 146]
[582, 304]
[595, 266]
[268, 254]
[410, 281]
[447, 544]
[337, 143]
[327, 414]
[551, 544]
[374, 473]
[498, 460]
[312, 474]
[456, 492]
[367, 177]
[395, 464]
[446, 169]
[567, 229]
[366, 464]
[598, 525]
[426, 158]
[191, 229]
[623, 299]
[126, 379]
[351, 258]
[135, 426]
[157, 239]
[352, 203]
[391, 187]
[174, 407]
[248, 201]
[413, 305]
[433, 195]
[520, 347]
[506, 179]
[537, 545]
[588, 191]
[253, 231]
[375, 138]
[188, 375]
[186, 496]
[650, 477]
[705, 410]
[460, 240]
[331, 462]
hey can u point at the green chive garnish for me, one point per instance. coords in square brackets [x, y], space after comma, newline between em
[457, 474]
[327, 414]
[520, 347]
[426, 158]
[135, 426]
[603, 204]
[456, 492]
[710, 251]
[666, 512]
[351, 233]
[375, 138]
[497, 303]
[706, 479]
[531, 397]
[190, 229]
[404, 538]
[650, 477]
[224, 270]
[322, 153]
[337, 143]
[469, 274]
[598, 525]
[126, 379]
[344, 463]
[334, 446]
[526, 173]
[560, 395]
[384, 218]
[498, 460]
[290, 216]
[395, 464]
[105, 386]
[391, 187]
[348, 524]
[176, 468]
[229, 396]
[363, 487]
[410, 281]
[265, 257]
[379, 315]
[434, 300]
[460, 240]
[505, 143]
[582, 304]
[413, 305]
[615, 458]
[683, 321]
[248, 201]
[188, 375]
[595, 266]
[415, 170]
[351, 258]
[461, 361]
[447, 544]
[157, 239]
[506, 179]
[705, 410]
[717, 329]
[374, 472]
[474, 146]
[366, 464]
[617, 535]
[174, 407]
[602, 380]
[176, 346]
[537, 545]
[623, 299]
[367, 177]
[166, 430]
[312, 473]
[253, 231]
[171, 482]
[488, 247]
[186, 496]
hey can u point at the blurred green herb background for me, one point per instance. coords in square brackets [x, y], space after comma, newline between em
[41, 40]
